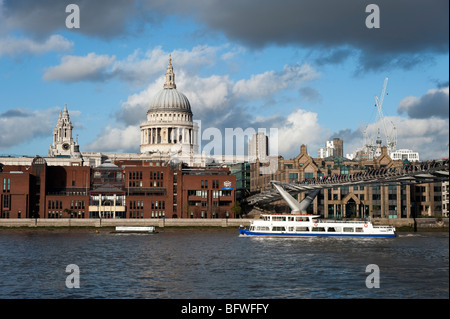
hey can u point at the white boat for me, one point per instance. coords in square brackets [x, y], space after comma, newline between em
[301, 225]
[135, 229]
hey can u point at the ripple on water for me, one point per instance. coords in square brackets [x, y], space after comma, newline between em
[219, 264]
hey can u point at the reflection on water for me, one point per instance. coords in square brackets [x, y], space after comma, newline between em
[219, 264]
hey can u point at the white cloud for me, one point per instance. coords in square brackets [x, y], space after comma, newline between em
[427, 136]
[138, 68]
[301, 127]
[19, 125]
[433, 103]
[74, 68]
[211, 94]
[265, 84]
[16, 46]
[219, 102]
[117, 139]
[215, 98]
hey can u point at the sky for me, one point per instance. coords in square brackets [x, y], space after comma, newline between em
[311, 69]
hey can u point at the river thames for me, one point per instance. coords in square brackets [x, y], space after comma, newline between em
[218, 264]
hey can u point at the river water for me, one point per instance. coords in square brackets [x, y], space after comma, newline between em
[218, 264]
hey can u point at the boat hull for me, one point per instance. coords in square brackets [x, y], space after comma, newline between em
[246, 232]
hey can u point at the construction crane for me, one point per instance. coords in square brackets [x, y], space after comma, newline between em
[391, 137]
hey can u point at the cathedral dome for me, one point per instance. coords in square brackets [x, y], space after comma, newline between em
[169, 99]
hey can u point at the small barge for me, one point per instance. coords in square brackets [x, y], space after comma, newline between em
[135, 229]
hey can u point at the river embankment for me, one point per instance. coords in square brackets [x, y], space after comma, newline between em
[404, 224]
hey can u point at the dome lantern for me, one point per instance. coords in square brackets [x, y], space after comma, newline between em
[170, 76]
[169, 98]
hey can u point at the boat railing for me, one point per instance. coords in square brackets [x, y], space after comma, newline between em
[383, 227]
[343, 221]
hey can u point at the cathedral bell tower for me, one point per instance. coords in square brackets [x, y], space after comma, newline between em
[63, 143]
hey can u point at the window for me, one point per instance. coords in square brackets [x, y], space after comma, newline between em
[344, 170]
[7, 201]
[392, 196]
[6, 185]
[348, 229]
[309, 175]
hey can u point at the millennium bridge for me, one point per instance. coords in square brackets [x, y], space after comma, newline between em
[414, 173]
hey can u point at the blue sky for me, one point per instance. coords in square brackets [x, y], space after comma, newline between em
[309, 72]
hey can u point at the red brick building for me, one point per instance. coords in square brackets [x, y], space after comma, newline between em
[124, 189]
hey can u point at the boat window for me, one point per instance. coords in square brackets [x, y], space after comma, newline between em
[262, 228]
[291, 219]
[318, 229]
[291, 229]
[301, 219]
[348, 229]
[278, 228]
[359, 230]
[279, 218]
[301, 228]
[331, 229]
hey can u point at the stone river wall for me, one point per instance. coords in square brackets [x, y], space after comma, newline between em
[67, 222]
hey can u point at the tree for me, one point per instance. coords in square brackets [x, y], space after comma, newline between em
[236, 209]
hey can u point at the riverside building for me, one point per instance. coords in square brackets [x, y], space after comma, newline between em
[125, 189]
[394, 201]
[167, 179]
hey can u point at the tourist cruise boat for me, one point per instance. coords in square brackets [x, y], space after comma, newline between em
[301, 225]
